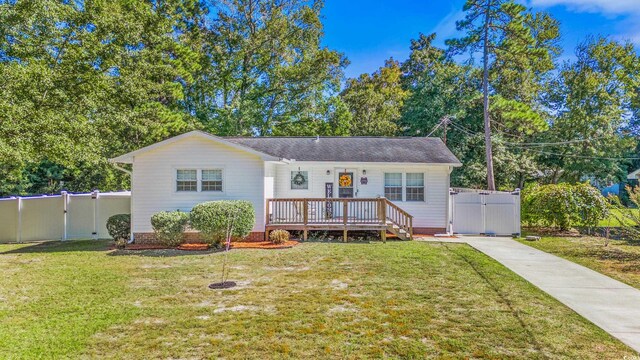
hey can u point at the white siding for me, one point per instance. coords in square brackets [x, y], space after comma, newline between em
[154, 179]
[430, 213]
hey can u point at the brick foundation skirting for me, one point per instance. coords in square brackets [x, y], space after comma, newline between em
[428, 230]
[190, 237]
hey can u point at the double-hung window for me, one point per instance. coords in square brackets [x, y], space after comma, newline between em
[187, 180]
[415, 187]
[393, 186]
[211, 180]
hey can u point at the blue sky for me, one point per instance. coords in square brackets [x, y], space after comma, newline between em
[370, 31]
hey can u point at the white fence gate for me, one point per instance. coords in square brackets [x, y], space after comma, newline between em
[65, 216]
[485, 212]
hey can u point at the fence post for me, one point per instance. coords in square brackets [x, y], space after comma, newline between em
[65, 205]
[95, 195]
[19, 226]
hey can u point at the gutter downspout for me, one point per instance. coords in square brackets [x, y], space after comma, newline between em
[130, 173]
[115, 165]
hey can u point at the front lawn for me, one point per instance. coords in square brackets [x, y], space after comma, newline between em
[316, 300]
[619, 260]
[612, 219]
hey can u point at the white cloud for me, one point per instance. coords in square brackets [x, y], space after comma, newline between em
[446, 28]
[610, 7]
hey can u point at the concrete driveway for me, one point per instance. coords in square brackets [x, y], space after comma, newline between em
[608, 303]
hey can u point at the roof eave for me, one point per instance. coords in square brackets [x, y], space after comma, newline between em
[128, 157]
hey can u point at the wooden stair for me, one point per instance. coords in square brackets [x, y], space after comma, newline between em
[396, 230]
[398, 221]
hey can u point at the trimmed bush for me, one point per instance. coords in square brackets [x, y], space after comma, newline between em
[119, 228]
[169, 226]
[214, 218]
[563, 206]
[279, 236]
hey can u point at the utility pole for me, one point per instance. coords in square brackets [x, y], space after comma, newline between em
[444, 124]
[444, 137]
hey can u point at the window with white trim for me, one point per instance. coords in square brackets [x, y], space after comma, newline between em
[211, 180]
[393, 186]
[186, 180]
[414, 187]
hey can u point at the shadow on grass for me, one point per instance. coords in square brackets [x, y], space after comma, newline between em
[503, 297]
[608, 253]
[98, 245]
[61, 246]
[163, 252]
[339, 241]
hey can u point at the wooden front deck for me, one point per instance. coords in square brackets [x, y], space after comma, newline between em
[338, 214]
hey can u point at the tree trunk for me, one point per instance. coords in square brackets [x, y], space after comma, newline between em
[485, 90]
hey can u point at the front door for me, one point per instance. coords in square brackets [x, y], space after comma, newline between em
[346, 183]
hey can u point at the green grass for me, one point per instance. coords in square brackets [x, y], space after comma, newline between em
[317, 300]
[612, 219]
[619, 260]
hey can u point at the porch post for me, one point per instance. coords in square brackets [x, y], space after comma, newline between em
[305, 208]
[345, 209]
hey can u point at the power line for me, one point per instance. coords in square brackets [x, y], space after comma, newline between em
[583, 156]
[554, 143]
[444, 121]
[468, 132]
[436, 127]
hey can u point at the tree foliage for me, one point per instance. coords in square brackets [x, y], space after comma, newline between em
[265, 71]
[376, 101]
[85, 81]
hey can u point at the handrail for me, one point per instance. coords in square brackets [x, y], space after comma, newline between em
[338, 211]
[398, 208]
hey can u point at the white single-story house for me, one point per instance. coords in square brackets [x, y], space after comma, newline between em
[297, 183]
[634, 175]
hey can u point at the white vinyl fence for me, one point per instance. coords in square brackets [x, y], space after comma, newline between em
[60, 217]
[485, 212]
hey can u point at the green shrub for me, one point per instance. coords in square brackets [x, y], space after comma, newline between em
[563, 206]
[214, 218]
[169, 226]
[628, 217]
[119, 228]
[279, 236]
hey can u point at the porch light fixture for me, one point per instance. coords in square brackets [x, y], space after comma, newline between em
[328, 172]
[364, 172]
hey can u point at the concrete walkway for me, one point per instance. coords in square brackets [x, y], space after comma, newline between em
[608, 303]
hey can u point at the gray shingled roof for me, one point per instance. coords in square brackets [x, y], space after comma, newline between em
[353, 149]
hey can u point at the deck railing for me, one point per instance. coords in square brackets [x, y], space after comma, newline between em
[338, 211]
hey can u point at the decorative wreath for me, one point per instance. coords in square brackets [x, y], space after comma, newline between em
[299, 179]
[345, 180]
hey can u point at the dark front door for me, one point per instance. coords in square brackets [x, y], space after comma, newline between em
[345, 184]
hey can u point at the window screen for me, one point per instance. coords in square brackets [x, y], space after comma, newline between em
[415, 187]
[187, 180]
[393, 186]
[212, 180]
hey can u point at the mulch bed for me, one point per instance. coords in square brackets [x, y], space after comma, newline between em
[193, 247]
[263, 245]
